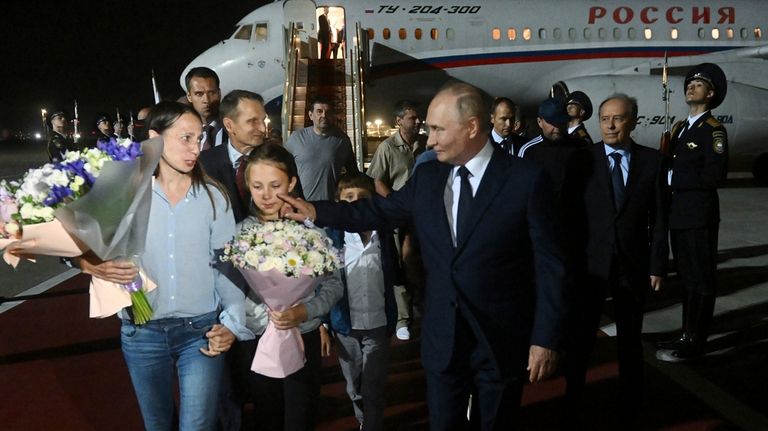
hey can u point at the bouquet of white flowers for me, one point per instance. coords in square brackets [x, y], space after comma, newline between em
[282, 261]
[60, 209]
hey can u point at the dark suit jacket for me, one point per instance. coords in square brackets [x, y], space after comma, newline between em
[218, 166]
[699, 166]
[638, 231]
[514, 143]
[490, 277]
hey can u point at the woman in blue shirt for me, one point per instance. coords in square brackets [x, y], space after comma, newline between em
[197, 312]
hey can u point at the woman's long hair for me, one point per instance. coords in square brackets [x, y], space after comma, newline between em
[162, 117]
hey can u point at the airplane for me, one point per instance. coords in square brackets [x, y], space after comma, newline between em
[527, 50]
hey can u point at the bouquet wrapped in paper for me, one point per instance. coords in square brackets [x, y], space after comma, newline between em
[97, 199]
[283, 262]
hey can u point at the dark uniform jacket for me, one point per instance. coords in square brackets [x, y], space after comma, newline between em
[580, 132]
[699, 165]
[58, 144]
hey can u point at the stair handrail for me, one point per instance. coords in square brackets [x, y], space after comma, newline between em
[292, 55]
[358, 94]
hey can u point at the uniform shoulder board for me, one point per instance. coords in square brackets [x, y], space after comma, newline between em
[712, 121]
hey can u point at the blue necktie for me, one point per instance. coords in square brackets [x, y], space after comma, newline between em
[617, 180]
[465, 202]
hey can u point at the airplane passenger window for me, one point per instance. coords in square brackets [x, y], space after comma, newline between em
[701, 33]
[402, 33]
[572, 33]
[631, 33]
[744, 33]
[556, 33]
[616, 33]
[758, 33]
[587, 33]
[434, 34]
[371, 34]
[244, 33]
[261, 31]
[449, 33]
[542, 33]
[496, 33]
[648, 33]
[729, 33]
[385, 34]
[417, 34]
[511, 34]
[715, 33]
[527, 33]
[601, 33]
[673, 33]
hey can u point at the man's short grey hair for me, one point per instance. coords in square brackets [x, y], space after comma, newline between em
[630, 101]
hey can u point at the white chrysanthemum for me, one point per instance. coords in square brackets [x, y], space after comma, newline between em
[293, 261]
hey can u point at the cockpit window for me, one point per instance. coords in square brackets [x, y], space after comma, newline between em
[243, 33]
[261, 31]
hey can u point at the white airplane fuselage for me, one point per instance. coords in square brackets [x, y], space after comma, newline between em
[519, 49]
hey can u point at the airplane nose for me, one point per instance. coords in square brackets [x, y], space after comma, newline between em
[226, 59]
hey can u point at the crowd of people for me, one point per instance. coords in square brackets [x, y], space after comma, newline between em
[508, 244]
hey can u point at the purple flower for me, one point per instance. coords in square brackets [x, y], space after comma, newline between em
[57, 194]
[77, 167]
[119, 152]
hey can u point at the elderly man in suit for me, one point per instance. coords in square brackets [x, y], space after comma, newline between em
[495, 274]
[619, 208]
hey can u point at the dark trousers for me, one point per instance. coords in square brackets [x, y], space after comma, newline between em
[290, 403]
[628, 301]
[695, 253]
[495, 400]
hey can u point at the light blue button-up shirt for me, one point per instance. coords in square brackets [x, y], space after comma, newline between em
[625, 156]
[179, 256]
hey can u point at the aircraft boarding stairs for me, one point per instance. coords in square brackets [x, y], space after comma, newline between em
[339, 80]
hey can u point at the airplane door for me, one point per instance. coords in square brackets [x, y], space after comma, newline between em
[302, 13]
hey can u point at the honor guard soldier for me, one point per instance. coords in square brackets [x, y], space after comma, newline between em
[699, 164]
[103, 127]
[579, 109]
[58, 142]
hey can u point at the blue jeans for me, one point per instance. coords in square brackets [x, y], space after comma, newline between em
[151, 351]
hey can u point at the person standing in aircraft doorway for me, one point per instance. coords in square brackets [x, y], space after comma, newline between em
[324, 34]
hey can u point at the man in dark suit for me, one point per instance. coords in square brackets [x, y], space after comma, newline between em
[503, 114]
[324, 34]
[621, 214]
[494, 300]
[243, 117]
[699, 165]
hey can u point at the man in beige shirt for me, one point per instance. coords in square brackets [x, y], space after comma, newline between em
[391, 167]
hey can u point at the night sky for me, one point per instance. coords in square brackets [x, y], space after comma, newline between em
[101, 53]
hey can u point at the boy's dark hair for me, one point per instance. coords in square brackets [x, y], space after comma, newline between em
[356, 180]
